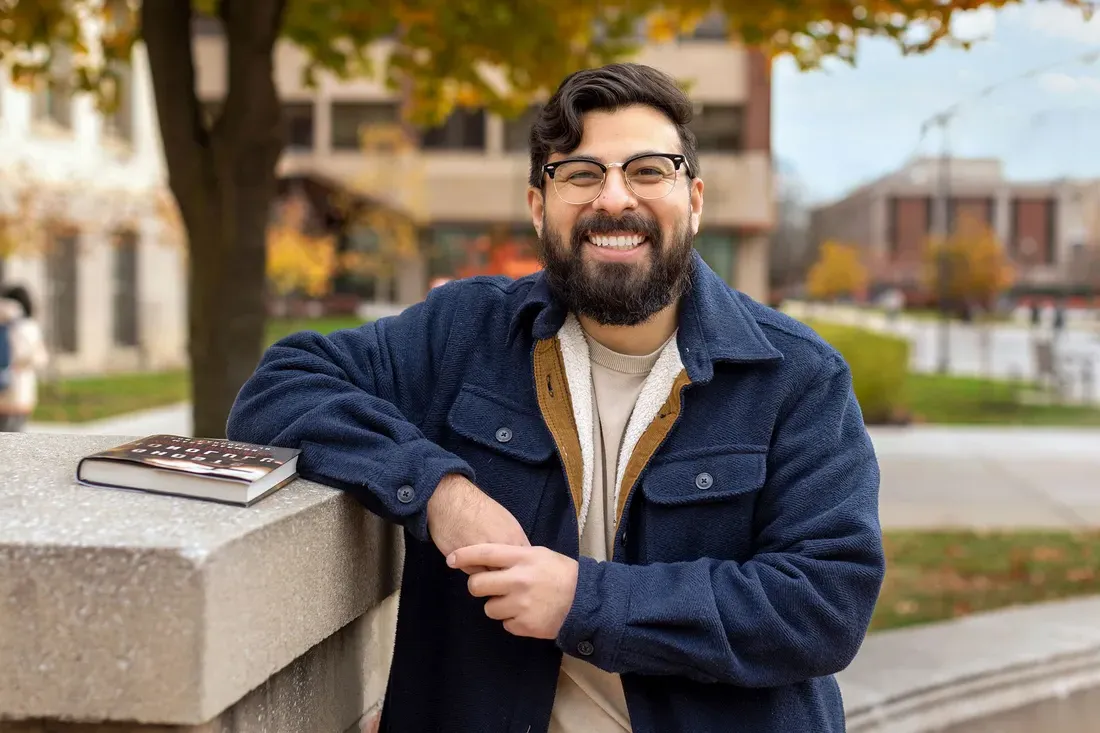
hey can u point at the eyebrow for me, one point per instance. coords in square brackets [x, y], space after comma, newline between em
[597, 159]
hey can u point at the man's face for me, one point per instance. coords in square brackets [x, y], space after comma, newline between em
[621, 257]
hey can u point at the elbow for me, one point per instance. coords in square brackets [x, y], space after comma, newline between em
[247, 420]
[843, 625]
[822, 652]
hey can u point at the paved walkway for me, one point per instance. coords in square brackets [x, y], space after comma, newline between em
[989, 477]
[932, 476]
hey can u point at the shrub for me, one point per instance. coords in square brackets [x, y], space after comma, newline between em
[880, 370]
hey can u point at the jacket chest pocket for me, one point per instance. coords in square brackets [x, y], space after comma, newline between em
[700, 504]
[509, 449]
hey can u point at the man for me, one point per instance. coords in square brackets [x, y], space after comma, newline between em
[634, 499]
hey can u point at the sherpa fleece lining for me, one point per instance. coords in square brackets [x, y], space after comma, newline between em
[654, 393]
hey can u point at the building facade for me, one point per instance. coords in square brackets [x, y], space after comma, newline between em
[1046, 227]
[82, 214]
[468, 178]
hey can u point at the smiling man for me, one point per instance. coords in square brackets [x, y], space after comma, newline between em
[634, 499]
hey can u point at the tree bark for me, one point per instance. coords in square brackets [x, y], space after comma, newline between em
[223, 179]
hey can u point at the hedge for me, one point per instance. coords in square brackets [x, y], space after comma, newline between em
[880, 369]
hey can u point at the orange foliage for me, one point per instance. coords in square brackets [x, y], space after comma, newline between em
[971, 267]
[509, 257]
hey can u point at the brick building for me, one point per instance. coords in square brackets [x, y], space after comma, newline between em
[1045, 226]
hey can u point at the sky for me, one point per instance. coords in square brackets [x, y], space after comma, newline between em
[840, 126]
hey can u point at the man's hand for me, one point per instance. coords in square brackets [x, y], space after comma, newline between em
[461, 514]
[532, 588]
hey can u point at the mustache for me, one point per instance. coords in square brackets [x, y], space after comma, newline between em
[604, 223]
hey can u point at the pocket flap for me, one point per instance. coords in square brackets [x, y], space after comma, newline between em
[706, 477]
[493, 423]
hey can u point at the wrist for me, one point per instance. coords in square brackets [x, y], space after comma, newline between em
[450, 489]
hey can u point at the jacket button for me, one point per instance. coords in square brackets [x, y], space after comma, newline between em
[406, 494]
[504, 435]
[585, 648]
[704, 481]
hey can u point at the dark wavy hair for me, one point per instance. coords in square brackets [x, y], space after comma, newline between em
[558, 127]
[19, 294]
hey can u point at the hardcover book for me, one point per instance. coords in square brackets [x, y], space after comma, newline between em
[199, 468]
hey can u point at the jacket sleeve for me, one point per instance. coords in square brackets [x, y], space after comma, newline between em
[352, 402]
[798, 609]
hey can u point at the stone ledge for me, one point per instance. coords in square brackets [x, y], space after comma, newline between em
[930, 678]
[126, 606]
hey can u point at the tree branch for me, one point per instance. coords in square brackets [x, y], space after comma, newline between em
[166, 28]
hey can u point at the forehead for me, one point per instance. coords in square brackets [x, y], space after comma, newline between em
[611, 136]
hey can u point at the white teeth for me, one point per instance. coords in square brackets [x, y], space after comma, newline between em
[621, 242]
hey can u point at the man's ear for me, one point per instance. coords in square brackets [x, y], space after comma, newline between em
[536, 204]
[696, 204]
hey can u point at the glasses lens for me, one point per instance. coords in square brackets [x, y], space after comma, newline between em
[578, 182]
[652, 177]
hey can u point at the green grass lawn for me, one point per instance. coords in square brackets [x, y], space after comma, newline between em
[934, 576]
[969, 401]
[94, 398]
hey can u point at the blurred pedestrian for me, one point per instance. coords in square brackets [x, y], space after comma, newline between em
[22, 356]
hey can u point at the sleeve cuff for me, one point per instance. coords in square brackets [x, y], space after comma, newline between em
[594, 627]
[397, 489]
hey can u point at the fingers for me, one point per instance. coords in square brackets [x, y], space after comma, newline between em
[487, 555]
[501, 609]
[491, 583]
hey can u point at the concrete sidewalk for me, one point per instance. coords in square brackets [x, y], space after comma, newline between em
[988, 477]
[173, 419]
[932, 476]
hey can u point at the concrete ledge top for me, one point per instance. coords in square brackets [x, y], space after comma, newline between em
[121, 605]
[927, 678]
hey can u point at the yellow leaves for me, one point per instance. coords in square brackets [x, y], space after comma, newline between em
[298, 262]
[663, 27]
[838, 272]
[971, 266]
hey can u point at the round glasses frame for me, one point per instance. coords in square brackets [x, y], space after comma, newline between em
[677, 161]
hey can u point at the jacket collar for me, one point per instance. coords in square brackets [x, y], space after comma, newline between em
[715, 324]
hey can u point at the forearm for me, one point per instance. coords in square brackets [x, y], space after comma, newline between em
[302, 395]
[777, 619]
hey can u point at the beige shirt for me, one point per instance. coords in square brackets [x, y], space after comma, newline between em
[588, 699]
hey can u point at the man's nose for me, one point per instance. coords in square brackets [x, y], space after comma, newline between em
[616, 197]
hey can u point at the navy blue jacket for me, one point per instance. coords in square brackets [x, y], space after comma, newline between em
[748, 558]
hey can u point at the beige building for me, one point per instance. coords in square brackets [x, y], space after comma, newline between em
[1047, 227]
[107, 270]
[468, 178]
[81, 202]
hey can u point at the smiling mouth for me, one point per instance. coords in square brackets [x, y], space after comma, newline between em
[621, 242]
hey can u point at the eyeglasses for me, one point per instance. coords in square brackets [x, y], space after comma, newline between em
[648, 176]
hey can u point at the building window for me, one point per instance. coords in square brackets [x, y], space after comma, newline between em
[719, 128]
[298, 125]
[463, 130]
[126, 289]
[61, 274]
[1051, 231]
[711, 28]
[349, 119]
[517, 131]
[719, 251]
[120, 122]
[203, 24]
[53, 103]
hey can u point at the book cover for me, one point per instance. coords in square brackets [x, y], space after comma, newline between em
[175, 464]
[219, 459]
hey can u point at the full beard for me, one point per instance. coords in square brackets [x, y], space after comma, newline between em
[617, 293]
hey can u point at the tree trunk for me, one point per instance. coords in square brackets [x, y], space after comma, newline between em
[223, 179]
